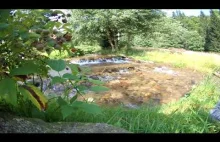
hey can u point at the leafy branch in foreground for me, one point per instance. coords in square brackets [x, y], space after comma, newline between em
[25, 35]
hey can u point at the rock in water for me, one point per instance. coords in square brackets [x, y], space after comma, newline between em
[14, 124]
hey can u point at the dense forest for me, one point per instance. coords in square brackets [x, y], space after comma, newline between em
[147, 28]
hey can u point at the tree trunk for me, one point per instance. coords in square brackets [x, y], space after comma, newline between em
[110, 40]
[116, 42]
[128, 40]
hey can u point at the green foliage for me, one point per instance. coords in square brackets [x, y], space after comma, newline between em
[61, 101]
[78, 52]
[26, 33]
[66, 110]
[66, 104]
[33, 94]
[105, 24]
[70, 76]
[169, 32]
[213, 33]
[89, 108]
[57, 65]
[8, 90]
[204, 22]
[25, 69]
[74, 68]
[191, 23]
[26, 36]
[55, 54]
[98, 88]
[140, 40]
[57, 79]
[89, 49]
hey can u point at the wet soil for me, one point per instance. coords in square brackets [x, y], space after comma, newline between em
[139, 82]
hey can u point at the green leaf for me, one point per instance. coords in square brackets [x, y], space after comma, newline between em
[68, 29]
[74, 68]
[97, 82]
[3, 34]
[70, 76]
[4, 14]
[34, 35]
[37, 114]
[61, 101]
[57, 65]
[8, 89]
[3, 26]
[76, 104]
[35, 96]
[82, 88]
[59, 12]
[66, 110]
[24, 35]
[73, 99]
[50, 24]
[99, 88]
[66, 25]
[51, 42]
[24, 93]
[25, 69]
[57, 79]
[89, 108]
[58, 24]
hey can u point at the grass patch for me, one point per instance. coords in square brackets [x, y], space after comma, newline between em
[56, 54]
[199, 61]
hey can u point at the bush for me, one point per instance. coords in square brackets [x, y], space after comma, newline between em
[140, 40]
[170, 33]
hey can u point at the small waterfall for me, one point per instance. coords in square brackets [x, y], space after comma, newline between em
[116, 60]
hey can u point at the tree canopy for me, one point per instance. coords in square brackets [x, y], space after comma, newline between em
[107, 24]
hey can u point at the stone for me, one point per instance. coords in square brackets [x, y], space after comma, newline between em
[215, 112]
[94, 77]
[14, 124]
[131, 106]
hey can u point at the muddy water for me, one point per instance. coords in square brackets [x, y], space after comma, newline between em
[133, 83]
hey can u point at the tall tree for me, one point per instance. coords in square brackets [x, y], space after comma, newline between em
[105, 23]
[203, 20]
[171, 33]
[189, 22]
[174, 14]
[212, 40]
